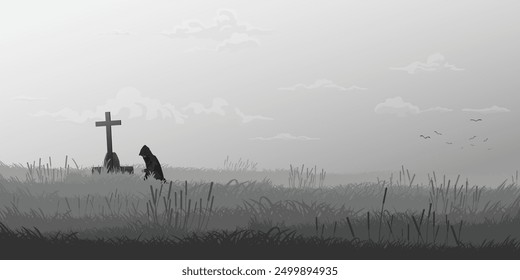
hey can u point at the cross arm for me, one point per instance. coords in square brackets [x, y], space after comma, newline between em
[104, 123]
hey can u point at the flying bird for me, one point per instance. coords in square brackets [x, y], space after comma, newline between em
[449, 143]
[436, 132]
[475, 120]
[485, 140]
[472, 138]
[425, 137]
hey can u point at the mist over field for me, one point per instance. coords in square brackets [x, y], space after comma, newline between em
[348, 86]
[262, 129]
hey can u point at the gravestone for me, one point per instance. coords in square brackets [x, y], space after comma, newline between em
[111, 160]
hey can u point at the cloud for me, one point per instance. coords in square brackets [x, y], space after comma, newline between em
[225, 25]
[250, 118]
[217, 107]
[285, 137]
[397, 106]
[28, 98]
[67, 114]
[434, 62]
[238, 42]
[137, 105]
[356, 88]
[230, 34]
[490, 110]
[127, 98]
[437, 109]
[320, 84]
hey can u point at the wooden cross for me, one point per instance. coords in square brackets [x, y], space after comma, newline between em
[108, 123]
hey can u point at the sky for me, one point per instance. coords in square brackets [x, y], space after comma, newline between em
[349, 86]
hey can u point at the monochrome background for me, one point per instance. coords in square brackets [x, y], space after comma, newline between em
[348, 86]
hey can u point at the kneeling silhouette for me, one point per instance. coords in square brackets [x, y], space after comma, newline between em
[153, 167]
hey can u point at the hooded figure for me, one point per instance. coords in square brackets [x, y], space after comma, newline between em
[153, 167]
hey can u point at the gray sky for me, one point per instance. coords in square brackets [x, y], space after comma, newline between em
[346, 85]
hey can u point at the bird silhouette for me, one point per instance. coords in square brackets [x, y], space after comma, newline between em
[436, 132]
[472, 138]
[485, 140]
[449, 143]
[475, 120]
[425, 137]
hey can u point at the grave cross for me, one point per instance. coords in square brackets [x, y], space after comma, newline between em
[108, 123]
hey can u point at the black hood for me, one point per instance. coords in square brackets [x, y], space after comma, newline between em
[145, 151]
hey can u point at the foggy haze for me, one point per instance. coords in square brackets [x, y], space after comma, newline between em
[348, 86]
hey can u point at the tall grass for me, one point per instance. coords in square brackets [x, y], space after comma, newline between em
[240, 165]
[174, 209]
[305, 177]
[46, 173]
[440, 213]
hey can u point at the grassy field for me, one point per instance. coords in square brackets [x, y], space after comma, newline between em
[66, 212]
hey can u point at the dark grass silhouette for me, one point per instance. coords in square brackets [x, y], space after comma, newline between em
[47, 216]
[238, 244]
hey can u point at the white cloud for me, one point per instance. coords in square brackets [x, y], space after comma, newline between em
[238, 42]
[231, 34]
[28, 98]
[437, 109]
[320, 84]
[434, 62]
[225, 25]
[130, 99]
[67, 114]
[355, 88]
[490, 110]
[127, 98]
[217, 107]
[250, 118]
[284, 136]
[452, 67]
[397, 106]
